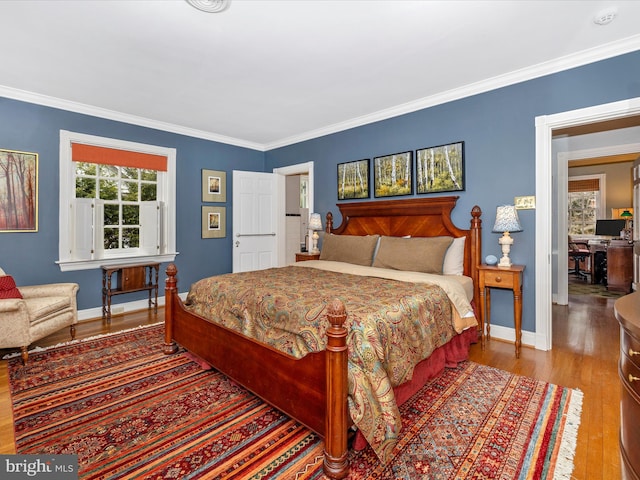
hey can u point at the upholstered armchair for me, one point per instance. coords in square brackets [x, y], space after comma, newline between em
[41, 310]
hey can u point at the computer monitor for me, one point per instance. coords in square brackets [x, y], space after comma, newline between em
[610, 228]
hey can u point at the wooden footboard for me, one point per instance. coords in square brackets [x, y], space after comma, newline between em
[312, 390]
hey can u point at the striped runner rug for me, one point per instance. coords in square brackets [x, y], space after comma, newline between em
[129, 411]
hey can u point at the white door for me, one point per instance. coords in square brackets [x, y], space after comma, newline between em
[636, 224]
[255, 220]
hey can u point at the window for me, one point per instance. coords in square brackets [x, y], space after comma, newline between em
[116, 202]
[585, 203]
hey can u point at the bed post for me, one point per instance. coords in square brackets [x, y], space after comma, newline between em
[169, 308]
[328, 227]
[336, 463]
[476, 250]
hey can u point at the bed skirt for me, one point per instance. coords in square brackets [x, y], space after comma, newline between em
[448, 355]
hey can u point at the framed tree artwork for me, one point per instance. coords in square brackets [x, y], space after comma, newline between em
[393, 175]
[214, 222]
[18, 191]
[353, 179]
[214, 186]
[440, 169]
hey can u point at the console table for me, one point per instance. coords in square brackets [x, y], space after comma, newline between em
[130, 278]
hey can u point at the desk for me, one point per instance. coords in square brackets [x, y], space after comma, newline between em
[612, 264]
[619, 266]
[131, 278]
[499, 277]
[598, 262]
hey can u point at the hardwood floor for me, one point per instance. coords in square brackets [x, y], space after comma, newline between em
[584, 356]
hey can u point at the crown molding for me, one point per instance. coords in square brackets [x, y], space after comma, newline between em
[627, 45]
[584, 57]
[608, 151]
[85, 109]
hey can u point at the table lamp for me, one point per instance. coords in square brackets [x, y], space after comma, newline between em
[506, 221]
[627, 216]
[315, 224]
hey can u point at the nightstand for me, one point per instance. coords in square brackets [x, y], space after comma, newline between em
[304, 256]
[489, 277]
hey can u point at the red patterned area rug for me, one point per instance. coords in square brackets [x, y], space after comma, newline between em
[129, 411]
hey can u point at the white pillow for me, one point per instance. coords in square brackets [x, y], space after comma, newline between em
[454, 258]
[2, 274]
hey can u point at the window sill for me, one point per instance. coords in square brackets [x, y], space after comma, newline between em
[70, 266]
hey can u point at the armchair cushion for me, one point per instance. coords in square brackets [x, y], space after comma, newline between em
[8, 287]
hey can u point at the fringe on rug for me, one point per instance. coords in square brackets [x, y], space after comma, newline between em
[567, 450]
[73, 342]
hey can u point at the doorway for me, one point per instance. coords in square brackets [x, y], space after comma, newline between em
[548, 181]
[595, 162]
[303, 170]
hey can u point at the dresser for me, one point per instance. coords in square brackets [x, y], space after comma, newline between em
[627, 312]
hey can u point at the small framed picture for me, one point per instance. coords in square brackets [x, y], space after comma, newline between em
[214, 186]
[353, 179]
[214, 222]
[440, 169]
[393, 175]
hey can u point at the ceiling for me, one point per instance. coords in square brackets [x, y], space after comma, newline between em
[263, 74]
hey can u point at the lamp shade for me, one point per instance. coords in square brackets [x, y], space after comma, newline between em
[626, 214]
[315, 223]
[507, 219]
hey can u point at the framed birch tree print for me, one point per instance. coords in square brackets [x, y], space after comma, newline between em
[353, 179]
[440, 169]
[393, 175]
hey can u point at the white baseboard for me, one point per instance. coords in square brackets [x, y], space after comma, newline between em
[508, 334]
[120, 308]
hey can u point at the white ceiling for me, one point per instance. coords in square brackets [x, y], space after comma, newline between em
[268, 73]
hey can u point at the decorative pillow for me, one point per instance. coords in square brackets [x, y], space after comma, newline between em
[417, 254]
[8, 287]
[355, 249]
[2, 272]
[454, 258]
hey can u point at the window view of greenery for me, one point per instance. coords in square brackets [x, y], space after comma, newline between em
[582, 213]
[121, 189]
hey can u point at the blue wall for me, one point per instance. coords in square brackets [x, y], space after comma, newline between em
[498, 128]
[31, 257]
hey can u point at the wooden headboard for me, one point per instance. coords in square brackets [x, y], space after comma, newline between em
[418, 217]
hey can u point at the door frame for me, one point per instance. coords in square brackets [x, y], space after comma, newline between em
[545, 125]
[298, 169]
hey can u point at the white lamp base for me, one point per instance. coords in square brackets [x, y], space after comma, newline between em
[505, 241]
[314, 247]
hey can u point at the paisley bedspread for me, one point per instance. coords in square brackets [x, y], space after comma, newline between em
[392, 326]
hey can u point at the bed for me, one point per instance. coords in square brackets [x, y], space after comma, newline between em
[310, 379]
